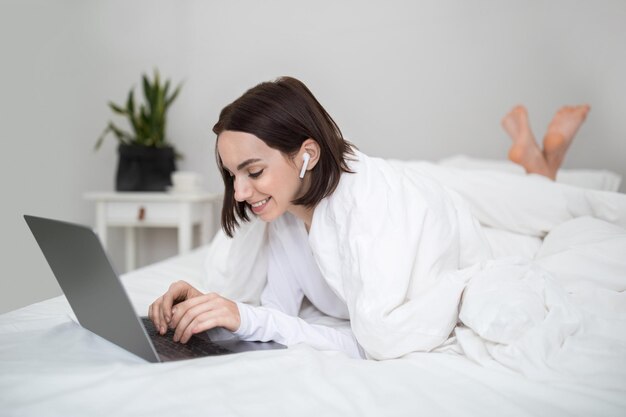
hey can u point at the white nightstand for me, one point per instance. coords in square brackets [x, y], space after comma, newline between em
[149, 209]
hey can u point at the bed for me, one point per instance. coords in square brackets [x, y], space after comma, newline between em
[50, 366]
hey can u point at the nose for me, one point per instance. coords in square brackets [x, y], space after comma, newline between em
[243, 190]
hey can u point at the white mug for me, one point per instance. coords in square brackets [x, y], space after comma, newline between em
[185, 181]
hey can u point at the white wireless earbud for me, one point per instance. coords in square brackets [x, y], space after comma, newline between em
[306, 158]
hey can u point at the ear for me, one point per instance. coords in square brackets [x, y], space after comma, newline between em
[311, 147]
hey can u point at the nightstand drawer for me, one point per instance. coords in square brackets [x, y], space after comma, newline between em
[146, 213]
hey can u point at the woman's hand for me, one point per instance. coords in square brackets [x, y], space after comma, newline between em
[160, 312]
[202, 313]
[188, 311]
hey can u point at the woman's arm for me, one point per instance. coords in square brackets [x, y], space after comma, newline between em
[189, 312]
[266, 323]
[290, 266]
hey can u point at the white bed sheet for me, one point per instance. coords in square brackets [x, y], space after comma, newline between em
[50, 366]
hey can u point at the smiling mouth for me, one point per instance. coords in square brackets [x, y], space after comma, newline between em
[259, 205]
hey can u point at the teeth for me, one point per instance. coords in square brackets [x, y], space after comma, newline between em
[259, 204]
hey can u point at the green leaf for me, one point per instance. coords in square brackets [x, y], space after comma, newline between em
[166, 88]
[130, 108]
[122, 137]
[147, 91]
[143, 134]
[130, 102]
[101, 138]
[169, 100]
[157, 82]
[117, 109]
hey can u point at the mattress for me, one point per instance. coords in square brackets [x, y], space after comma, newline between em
[50, 366]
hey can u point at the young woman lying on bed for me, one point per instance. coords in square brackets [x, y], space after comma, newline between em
[387, 245]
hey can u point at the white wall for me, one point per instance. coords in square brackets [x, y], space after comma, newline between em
[405, 79]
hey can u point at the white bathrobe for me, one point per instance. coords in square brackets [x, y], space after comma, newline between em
[398, 249]
[401, 242]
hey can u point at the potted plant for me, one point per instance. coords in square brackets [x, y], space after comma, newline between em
[146, 158]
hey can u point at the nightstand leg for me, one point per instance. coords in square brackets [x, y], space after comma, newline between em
[185, 231]
[206, 229]
[101, 223]
[131, 249]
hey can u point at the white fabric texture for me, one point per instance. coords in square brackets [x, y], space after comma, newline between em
[564, 314]
[398, 249]
[411, 251]
[237, 268]
[50, 366]
[293, 274]
[390, 240]
[531, 205]
[596, 179]
[505, 244]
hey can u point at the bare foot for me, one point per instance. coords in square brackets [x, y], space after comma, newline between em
[524, 150]
[561, 132]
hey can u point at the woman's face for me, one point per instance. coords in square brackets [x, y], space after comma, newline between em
[265, 178]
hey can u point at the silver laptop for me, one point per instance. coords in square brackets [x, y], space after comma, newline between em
[101, 304]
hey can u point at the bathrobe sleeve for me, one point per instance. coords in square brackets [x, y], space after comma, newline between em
[269, 323]
[292, 273]
[277, 317]
[399, 250]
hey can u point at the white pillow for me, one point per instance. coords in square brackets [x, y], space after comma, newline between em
[596, 179]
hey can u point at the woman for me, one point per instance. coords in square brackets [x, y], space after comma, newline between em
[386, 245]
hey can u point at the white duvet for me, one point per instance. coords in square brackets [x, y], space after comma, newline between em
[414, 267]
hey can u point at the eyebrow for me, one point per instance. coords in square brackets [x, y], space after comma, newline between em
[246, 163]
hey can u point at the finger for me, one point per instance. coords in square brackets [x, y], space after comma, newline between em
[216, 312]
[226, 312]
[152, 313]
[177, 292]
[150, 316]
[162, 319]
[205, 321]
[190, 314]
[168, 300]
[156, 315]
[181, 308]
[200, 323]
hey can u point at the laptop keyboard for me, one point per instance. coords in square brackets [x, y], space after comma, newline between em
[197, 346]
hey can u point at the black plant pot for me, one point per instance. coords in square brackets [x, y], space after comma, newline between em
[143, 168]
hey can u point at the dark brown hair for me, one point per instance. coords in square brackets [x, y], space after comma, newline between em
[283, 114]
